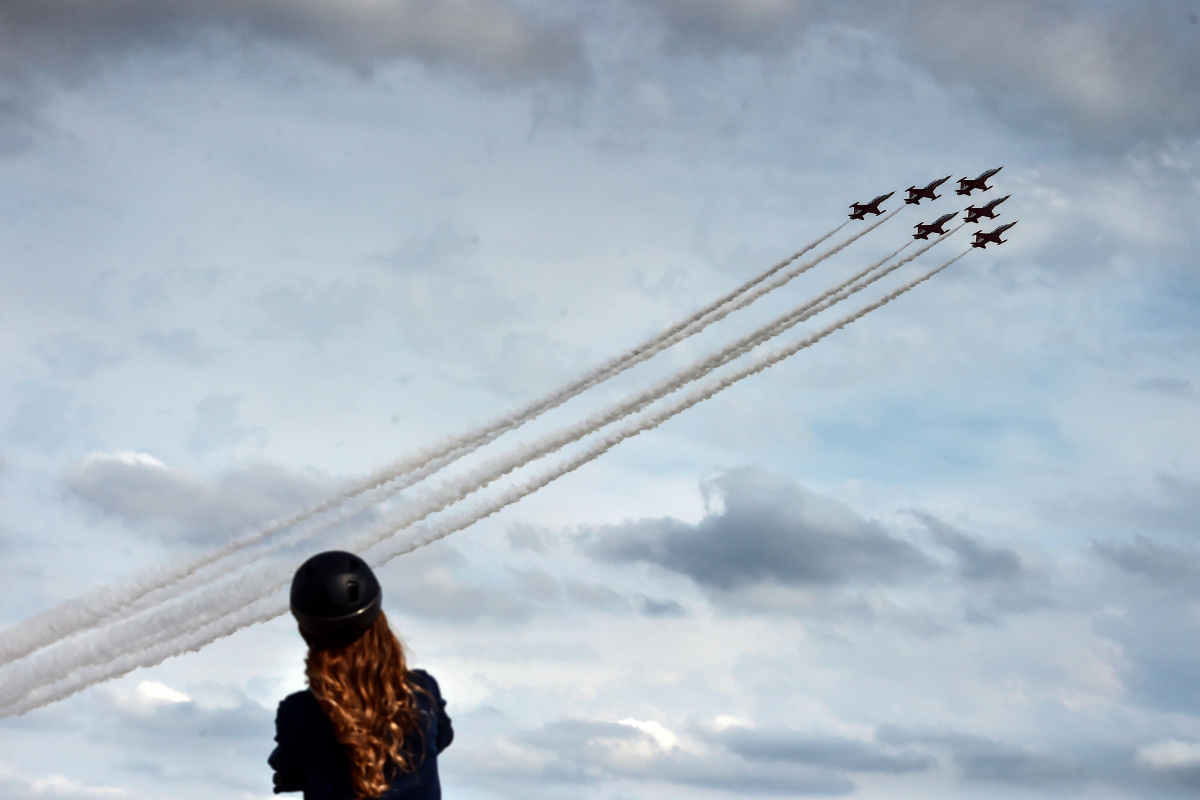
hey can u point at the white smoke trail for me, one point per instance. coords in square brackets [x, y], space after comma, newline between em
[104, 604]
[97, 646]
[274, 604]
[392, 547]
[115, 639]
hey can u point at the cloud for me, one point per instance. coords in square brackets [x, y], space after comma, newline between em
[980, 759]
[1109, 74]
[219, 424]
[1177, 387]
[489, 39]
[69, 355]
[977, 560]
[70, 41]
[771, 531]
[1162, 566]
[1177, 761]
[142, 492]
[574, 750]
[714, 26]
[650, 607]
[16, 785]
[439, 594]
[190, 740]
[1175, 508]
[851, 755]
[46, 416]
[1012, 765]
[1170, 754]
[182, 345]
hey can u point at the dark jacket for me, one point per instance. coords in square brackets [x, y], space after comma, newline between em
[310, 759]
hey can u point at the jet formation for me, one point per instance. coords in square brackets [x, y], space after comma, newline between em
[983, 239]
[915, 195]
[926, 228]
[972, 214]
[860, 210]
[968, 185]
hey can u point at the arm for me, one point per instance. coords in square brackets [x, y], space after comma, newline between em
[445, 731]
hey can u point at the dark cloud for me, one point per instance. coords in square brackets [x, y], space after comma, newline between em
[649, 607]
[491, 39]
[770, 531]
[1163, 566]
[1010, 765]
[977, 560]
[981, 759]
[592, 751]
[850, 755]
[147, 495]
[1159, 638]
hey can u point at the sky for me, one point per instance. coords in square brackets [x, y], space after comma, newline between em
[253, 250]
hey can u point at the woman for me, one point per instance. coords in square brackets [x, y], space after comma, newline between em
[367, 727]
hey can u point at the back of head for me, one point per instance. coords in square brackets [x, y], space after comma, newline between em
[335, 599]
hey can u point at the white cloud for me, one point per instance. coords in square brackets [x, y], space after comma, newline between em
[19, 786]
[665, 738]
[1170, 754]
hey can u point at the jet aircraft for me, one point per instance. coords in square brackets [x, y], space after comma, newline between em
[973, 213]
[968, 185]
[982, 239]
[915, 195]
[926, 228]
[860, 210]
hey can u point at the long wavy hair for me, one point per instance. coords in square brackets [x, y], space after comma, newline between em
[364, 689]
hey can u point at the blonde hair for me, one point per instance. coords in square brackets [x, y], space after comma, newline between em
[364, 690]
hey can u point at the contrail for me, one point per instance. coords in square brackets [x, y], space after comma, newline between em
[103, 604]
[393, 546]
[116, 638]
[275, 604]
[223, 599]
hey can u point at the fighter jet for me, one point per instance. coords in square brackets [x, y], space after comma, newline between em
[973, 213]
[926, 228]
[860, 210]
[982, 240]
[968, 185]
[916, 195]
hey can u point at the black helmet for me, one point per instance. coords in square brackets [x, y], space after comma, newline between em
[335, 598]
